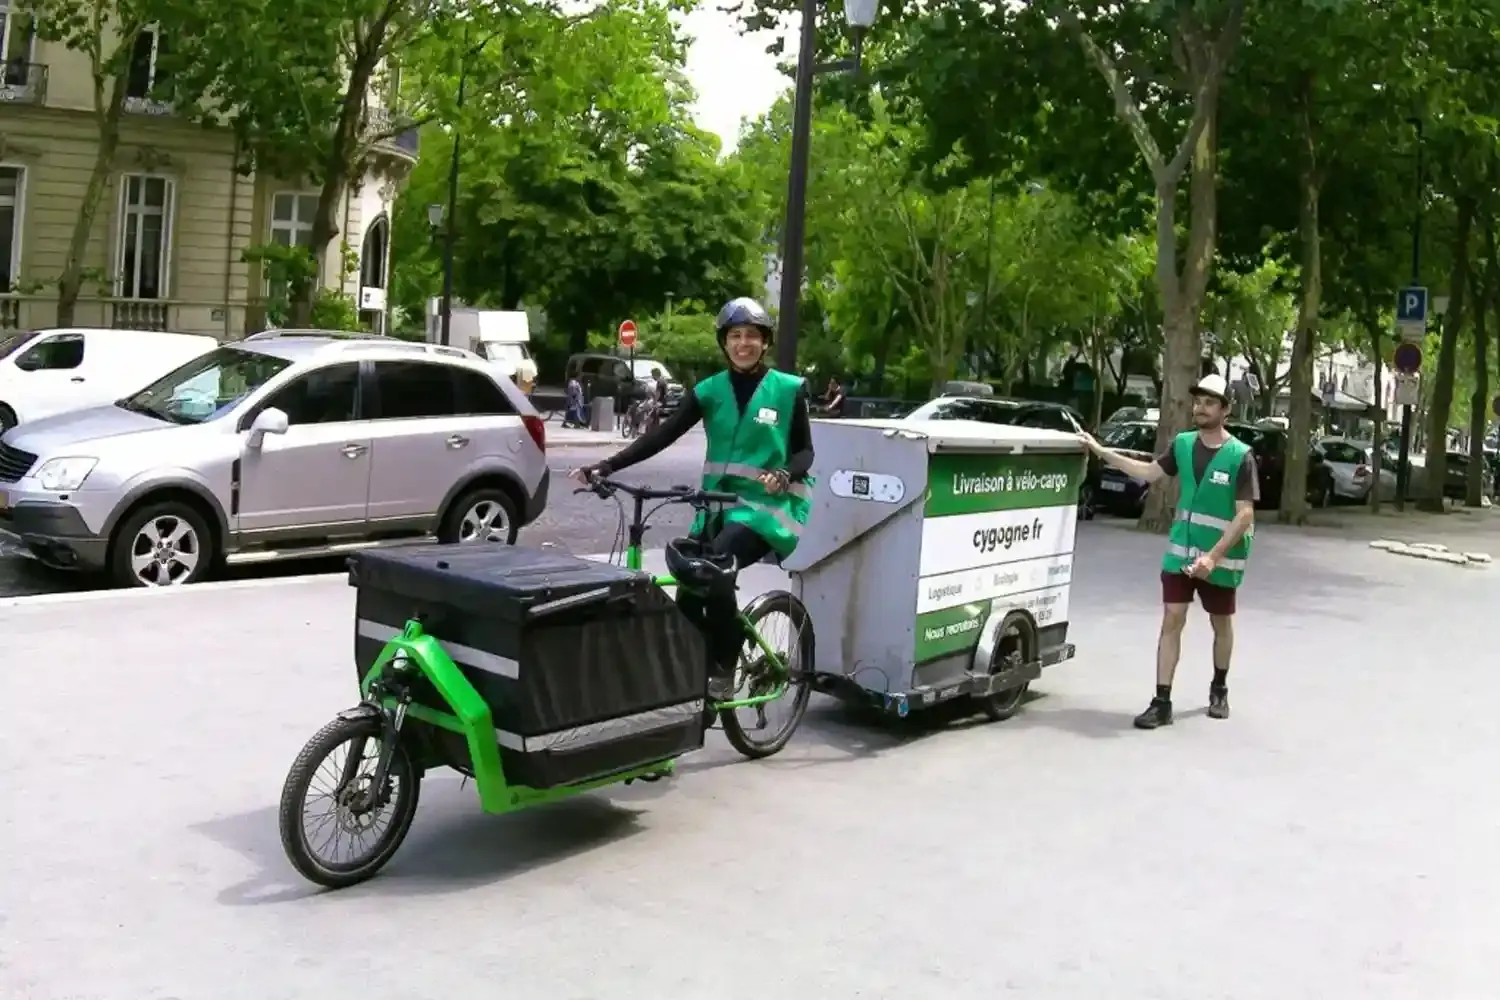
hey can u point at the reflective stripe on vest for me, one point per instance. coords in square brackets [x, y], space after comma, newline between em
[1188, 554]
[718, 469]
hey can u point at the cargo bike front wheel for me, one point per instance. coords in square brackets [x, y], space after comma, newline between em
[366, 810]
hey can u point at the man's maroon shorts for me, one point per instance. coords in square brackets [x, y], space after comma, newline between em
[1179, 588]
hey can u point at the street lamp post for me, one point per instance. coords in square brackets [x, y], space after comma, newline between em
[860, 15]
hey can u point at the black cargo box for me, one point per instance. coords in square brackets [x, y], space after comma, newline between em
[587, 668]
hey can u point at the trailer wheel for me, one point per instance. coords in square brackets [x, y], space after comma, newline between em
[1015, 645]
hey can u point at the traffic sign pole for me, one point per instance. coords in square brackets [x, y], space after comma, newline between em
[1411, 327]
[627, 339]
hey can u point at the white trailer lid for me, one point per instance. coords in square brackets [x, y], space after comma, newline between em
[970, 435]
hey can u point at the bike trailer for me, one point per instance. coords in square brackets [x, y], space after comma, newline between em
[588, 669]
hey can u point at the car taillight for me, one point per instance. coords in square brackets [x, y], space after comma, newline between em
[537, 430]
[1361, 472]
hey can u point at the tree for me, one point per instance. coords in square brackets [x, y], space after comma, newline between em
[585, 189]
[106, 33]
[310, 86]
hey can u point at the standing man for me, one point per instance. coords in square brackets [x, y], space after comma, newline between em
[1209, 543]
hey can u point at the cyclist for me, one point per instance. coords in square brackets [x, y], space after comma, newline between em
[760, 449]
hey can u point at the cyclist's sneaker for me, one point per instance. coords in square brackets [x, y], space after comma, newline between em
[1157, 714]
[1218, 702]
[721, 685]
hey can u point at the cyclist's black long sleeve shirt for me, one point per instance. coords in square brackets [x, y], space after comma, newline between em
[799, 459]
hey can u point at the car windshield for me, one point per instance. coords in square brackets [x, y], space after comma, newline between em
[207, 386]
[15, 342]
[990, 411]
[513, 353]
[648, 369]
[1131, 437]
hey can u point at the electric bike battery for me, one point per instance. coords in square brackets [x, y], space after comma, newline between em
[588, 669]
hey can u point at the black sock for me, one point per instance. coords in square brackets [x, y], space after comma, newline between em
[1220, 681]
[1163, 692]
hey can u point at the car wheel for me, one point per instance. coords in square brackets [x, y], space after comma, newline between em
[486, 514]
[165, 544]
[1085, 502]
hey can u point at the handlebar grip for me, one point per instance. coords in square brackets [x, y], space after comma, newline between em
[713, 497]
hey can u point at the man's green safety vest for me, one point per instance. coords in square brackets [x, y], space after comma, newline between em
[1205, 510]
[742, 448]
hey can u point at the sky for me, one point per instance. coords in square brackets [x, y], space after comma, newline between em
[733, 75]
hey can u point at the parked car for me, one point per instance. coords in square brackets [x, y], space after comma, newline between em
[646, 374]
[1455, 478]
[43, 372]
[285, 445]
[612, 376]
[1355, 471]
[1019, 413]
[1133, 414]
[1118, 493]
[1122, 494]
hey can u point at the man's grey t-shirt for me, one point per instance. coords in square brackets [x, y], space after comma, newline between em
[1246, 482]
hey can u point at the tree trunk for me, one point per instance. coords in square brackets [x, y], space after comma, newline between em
[337, 167]
[1479, 402]
[1440, 403]
[1182, 298]
[1293, 505]
[70, 282]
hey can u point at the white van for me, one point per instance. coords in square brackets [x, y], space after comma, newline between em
[43, 372]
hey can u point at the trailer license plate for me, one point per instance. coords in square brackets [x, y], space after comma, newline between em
[1113, 487]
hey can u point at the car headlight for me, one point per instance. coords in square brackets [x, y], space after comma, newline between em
[63, 474]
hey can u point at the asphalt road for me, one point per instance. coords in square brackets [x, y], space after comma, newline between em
[1333, 839]
[578, 523]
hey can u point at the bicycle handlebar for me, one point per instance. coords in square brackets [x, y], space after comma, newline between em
[683, 494]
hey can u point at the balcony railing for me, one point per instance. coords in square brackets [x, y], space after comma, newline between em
[147, 106]
[39, 312]
[139, 314]
[22, 82]
[380, 122]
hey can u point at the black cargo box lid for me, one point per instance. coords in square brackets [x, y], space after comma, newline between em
[489, 579]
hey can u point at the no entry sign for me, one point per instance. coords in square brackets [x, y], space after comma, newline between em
[627, 333]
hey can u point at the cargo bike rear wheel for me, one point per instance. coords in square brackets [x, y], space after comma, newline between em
[371, 812]
[770, 681]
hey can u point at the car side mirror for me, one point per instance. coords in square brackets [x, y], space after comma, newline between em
[29, 362]
[267, 421]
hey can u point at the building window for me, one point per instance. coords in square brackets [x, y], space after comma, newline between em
[145, 236]
[292, 217]
[372, 262]
[12, 195]
[17, 41]
[145, 75]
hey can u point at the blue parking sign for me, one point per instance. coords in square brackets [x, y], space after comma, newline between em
[1411, 305]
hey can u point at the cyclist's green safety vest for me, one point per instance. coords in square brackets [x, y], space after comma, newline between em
[742, 448]
[1205, 509]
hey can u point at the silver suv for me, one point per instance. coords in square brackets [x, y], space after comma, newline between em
[284, 445]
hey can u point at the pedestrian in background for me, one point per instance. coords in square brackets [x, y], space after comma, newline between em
[1209, 543]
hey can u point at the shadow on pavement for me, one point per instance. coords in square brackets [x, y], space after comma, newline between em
[452, 846]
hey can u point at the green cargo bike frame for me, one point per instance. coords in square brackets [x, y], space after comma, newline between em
[469, 716]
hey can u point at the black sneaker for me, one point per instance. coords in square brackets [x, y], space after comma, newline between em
[1218, 703]
[1157, 714]
[721, 686]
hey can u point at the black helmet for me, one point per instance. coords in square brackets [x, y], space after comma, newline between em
[744, 312]
[693, 564]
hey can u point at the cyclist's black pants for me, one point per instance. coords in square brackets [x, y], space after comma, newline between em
[717, 613]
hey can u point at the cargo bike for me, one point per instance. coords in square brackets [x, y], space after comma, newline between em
[535, 673]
